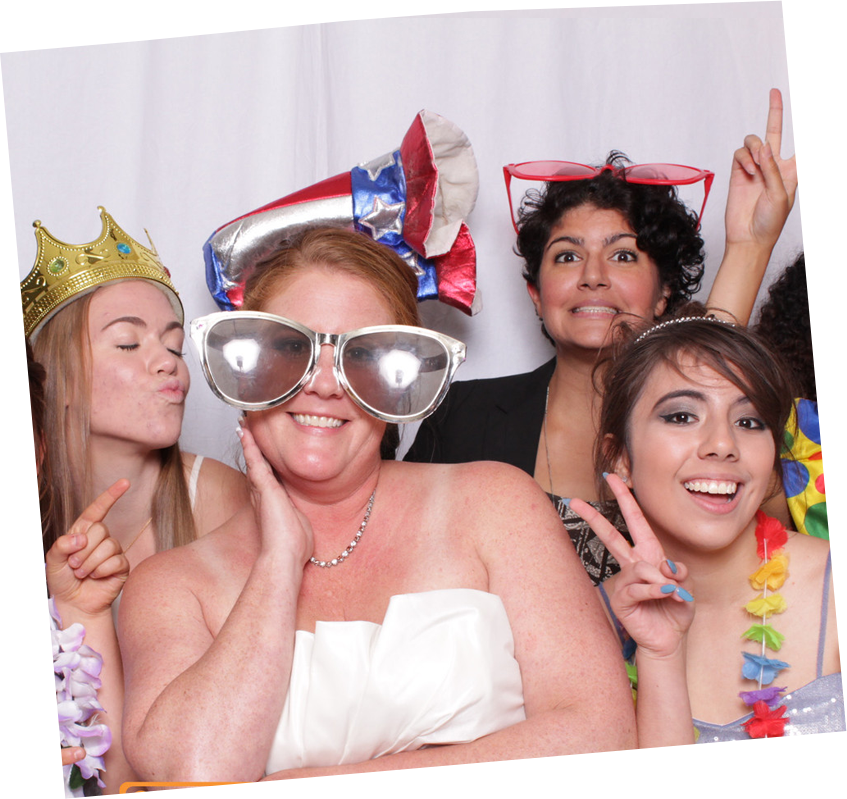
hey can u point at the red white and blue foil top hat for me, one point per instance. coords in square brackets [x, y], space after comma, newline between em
[414, 200]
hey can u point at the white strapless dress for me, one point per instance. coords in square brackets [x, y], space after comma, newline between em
[440, 669]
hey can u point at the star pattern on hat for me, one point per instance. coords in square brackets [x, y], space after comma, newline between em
[411, 259]
[385, 218]
[373, 168]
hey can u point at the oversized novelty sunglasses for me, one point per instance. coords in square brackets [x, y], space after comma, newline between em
[256, 361]
[651, 174]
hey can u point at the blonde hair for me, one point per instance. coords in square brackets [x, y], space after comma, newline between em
[63, 349]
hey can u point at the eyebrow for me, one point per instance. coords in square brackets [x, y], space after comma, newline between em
[830, 304]
[615, 237]
[690, 393]
[138, 322]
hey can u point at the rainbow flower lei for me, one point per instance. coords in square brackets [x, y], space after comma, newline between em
[768, 719]
[73, 669]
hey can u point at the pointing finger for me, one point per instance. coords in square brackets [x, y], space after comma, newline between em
[773, 133]
[98, 509]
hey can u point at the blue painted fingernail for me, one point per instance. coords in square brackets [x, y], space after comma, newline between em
[672, 566]
[684, 594]
[668, 589]
[605, 475]
[566, 502]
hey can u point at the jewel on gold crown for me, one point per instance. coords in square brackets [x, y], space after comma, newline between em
[62, 272]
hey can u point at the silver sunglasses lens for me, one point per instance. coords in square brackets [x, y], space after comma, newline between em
[397, 373]
[256, 360]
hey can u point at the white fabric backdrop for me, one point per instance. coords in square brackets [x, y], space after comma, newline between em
[180, 136]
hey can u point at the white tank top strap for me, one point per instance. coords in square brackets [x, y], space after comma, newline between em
[192, 479]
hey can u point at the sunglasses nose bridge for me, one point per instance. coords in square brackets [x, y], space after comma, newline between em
[316, 380]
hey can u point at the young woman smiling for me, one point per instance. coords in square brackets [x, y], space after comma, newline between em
[692, 423]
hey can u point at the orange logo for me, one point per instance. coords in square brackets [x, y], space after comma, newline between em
[139, 790]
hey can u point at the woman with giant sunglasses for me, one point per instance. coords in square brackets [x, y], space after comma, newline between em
[363, 614]
[602, 245]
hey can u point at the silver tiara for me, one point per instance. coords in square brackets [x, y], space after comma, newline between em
[680, 320]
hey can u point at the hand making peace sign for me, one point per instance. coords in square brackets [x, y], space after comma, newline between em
[648, 596]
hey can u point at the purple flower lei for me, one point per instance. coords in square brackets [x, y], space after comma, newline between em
[73, 669]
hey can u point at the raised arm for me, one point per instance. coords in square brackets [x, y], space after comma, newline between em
[762, 187]
[576, 695]
[649, 600]
[199, 702]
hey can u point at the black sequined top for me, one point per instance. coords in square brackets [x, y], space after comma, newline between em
[596, 559]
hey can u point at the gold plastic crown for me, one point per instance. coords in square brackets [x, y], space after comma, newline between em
[64, 272]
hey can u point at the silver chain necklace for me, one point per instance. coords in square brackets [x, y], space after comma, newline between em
[325, 564]
[546, 448]
[561, 502]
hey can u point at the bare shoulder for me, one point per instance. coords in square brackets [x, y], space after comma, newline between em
[837, 609]
[479, 478]
[498, 506]
[194, 567]
[807, 577]
[165, 573]
[808, 556]
[221, 491]
[481, 495]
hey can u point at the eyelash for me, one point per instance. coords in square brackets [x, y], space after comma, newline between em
[569, 257]
[673, 418]
[757, 424]
[745, 423]
[129, 347]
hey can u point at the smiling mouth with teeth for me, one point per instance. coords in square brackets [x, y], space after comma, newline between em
[316, 421]
[604, 309]
[726, 487]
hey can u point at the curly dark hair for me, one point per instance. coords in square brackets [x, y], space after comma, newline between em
[665, 229]
[784, 323]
